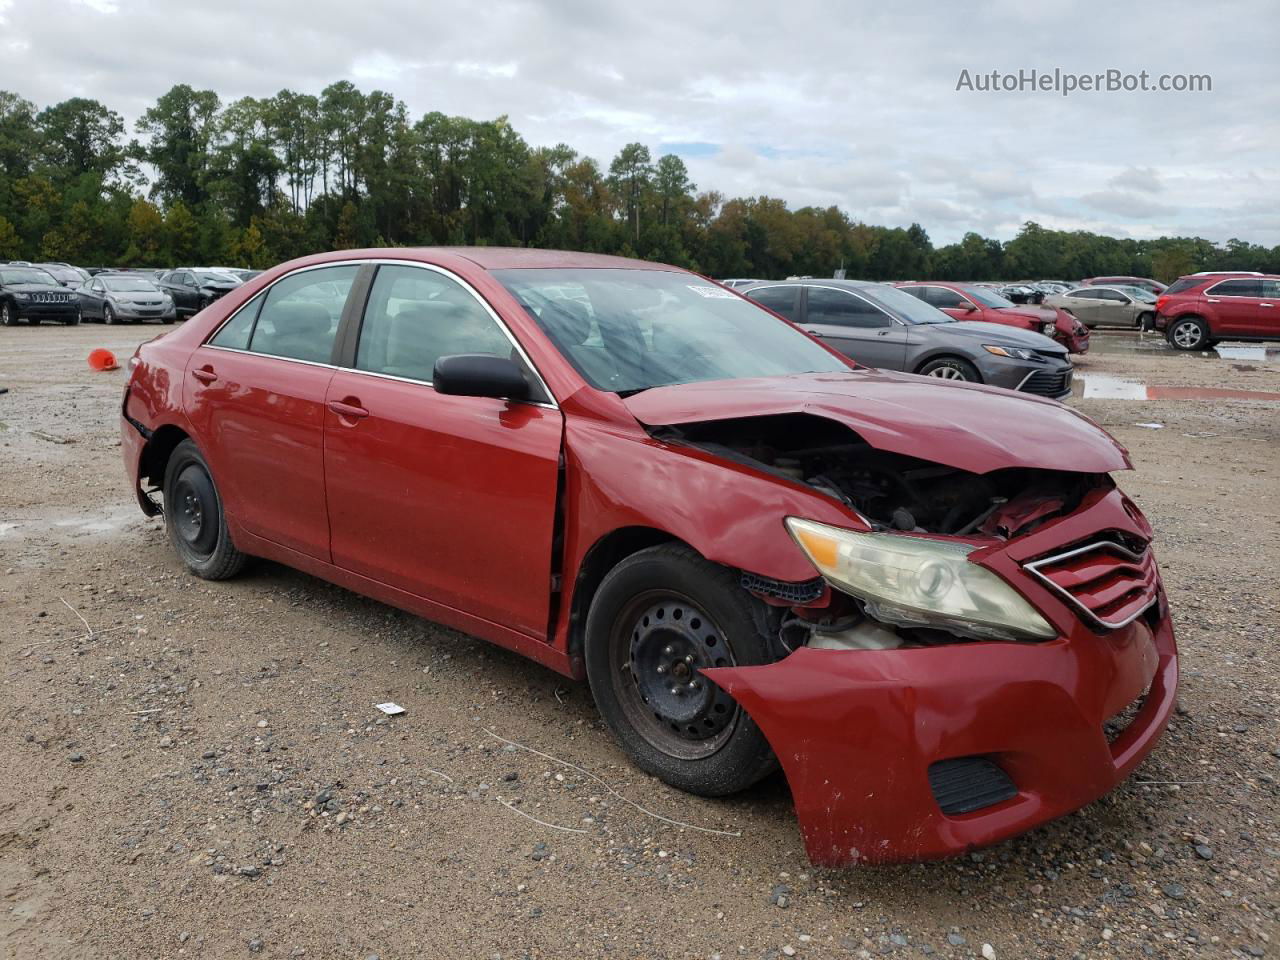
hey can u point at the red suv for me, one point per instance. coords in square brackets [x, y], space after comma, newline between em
[966, 301]
[1198, 311]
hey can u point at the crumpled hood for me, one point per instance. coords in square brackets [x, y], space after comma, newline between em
[966, 426]
[1000, 334]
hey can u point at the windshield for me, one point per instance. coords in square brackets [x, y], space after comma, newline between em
[987, 298]
[629, 330]
[1139, 293]
[28, 275]
[129, 285]
[903, 305]
[66, 274]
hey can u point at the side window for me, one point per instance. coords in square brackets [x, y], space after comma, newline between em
[780, 300]
[1271, 289]
[416, 316]
[1084, 294]
[235, 332]
[1112, 295]
[299, 318]
[917, 292]
[941, 297]
[843, 309]
[1237, 288]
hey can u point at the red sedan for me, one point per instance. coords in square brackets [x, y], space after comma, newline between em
[925, 600]
[966, 301]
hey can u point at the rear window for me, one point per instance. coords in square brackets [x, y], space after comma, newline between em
[1185, 284]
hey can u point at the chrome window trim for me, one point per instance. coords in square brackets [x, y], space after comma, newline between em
[390, 261]
[893, 321]
[1234, 296]
[1034, 568]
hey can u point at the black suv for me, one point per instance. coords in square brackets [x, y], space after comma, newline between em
[193, 289]
[32, 294]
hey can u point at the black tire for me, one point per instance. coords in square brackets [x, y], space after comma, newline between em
[8, 317]
[951, 368]
[194, 518]
[108, 315]
[1188, 333]
[167, 321]
[658, 616]
[74, 321]
[1145, 321]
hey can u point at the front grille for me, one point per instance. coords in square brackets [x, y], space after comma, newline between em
[1048, 383]
[1109, 583]
[966, 784]
[50, 298]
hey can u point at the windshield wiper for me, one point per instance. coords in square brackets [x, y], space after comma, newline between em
[623, 394]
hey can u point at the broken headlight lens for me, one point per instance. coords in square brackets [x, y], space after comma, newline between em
[915, 582]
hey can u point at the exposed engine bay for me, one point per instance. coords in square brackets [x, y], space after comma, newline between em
[891, 491]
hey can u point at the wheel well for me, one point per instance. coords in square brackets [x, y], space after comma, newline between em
[946, 356]
[155, 455]
[605, 554]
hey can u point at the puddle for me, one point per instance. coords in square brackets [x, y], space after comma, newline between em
[1101, 386]
[1124, 341]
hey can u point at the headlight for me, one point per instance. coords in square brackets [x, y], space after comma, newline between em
[1016, 353]
[914, 582]
[23, 296]
[1049, 329]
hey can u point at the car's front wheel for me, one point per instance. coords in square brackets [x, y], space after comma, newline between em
[951, 368]
[659, 618]
[1145, 321]
[194, 518]
[7, 315]
[1188, 333]
[108, 315]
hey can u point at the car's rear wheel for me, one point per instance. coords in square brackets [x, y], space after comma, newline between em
[951, 368]
[659, 618]
[194, 518]
[1145, 321]
[1188, 333]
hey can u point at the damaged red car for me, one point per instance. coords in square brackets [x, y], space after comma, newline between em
[926, 601]
[968, 301]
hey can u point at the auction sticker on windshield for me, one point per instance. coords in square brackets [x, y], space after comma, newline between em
[712, 293]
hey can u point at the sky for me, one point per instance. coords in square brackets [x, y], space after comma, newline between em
[819, 103]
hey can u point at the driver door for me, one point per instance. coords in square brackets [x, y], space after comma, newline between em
[450, 498]
[854, 326]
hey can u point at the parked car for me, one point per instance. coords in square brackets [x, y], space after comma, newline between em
[1155, 286]
[1199, 310]
[243, 275]
[192, 289]
[923, 599]
[966, 301]
[124, 297]
[738, 282]
[1021, 293]
[1110, 306]
[65, 273]
[33, 295]
[881, 326]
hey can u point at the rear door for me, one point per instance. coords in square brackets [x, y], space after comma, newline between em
[256, 396]
[1235, 307]
[450, 498]
[950, 302]
[855, 326]
[1084, 305]
[1114, 308]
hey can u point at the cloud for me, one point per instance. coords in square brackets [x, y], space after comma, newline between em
[811, 101]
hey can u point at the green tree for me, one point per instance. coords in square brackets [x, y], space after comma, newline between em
[10, 242]
[630, 177]
[181, 129]
[182, 234]
[79, 137]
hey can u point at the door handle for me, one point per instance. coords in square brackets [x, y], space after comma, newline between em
[1211, 300]
[1266, 304]
[349, 408]
[205, 375]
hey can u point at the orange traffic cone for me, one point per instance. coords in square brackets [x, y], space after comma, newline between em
[102, 359]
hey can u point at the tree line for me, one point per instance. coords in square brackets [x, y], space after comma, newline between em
[257, 181]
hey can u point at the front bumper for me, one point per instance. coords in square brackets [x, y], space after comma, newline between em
[51, 312]
[857, 732]
[129, 311]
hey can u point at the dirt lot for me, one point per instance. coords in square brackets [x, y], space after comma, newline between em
[194, 769]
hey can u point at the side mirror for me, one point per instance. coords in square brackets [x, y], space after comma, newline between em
[479, 375]
[970, 307]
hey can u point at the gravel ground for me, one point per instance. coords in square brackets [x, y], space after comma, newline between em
[194, 769]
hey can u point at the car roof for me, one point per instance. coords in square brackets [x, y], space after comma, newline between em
[813, 282]
[516, 258]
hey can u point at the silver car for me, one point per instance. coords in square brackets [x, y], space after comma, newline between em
[882, 326]
[1116, 306]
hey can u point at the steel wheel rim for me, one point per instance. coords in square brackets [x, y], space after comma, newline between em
[1187, 334]
[650, 654]
[194, 510]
